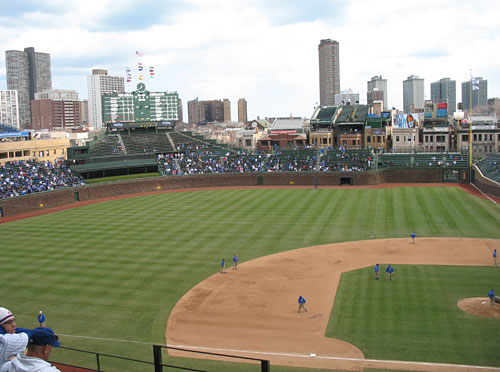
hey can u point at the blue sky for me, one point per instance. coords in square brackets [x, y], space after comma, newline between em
[264, 51]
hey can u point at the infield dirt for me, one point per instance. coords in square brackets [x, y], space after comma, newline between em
[252, 311]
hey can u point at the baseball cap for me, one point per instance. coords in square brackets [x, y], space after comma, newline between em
[44, 336]
[5, 315]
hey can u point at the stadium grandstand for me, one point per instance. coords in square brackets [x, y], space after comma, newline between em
[490, 167]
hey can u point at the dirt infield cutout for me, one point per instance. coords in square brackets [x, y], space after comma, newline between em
[252, 311]
[479, 306]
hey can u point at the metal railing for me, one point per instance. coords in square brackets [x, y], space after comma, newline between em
[157, 363]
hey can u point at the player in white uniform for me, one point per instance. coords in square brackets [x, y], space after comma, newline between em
[11, 343]
[40, 344]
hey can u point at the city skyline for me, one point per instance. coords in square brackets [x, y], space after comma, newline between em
[263, 51]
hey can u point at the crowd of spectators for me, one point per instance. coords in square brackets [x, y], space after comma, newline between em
[206, 162]
[27, 177]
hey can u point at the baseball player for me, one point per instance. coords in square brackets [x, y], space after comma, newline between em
[491, 295]
[413, 236]
[495, 257]
[389, 271]
[223, 266]
[302, 302]
[235, 261]
[377, 269]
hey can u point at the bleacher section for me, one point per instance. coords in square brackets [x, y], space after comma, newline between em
[423, 160]
[490, 167]
[146, 141]
[109, 145]
[345, 114]
[326, 113]
[341, 161]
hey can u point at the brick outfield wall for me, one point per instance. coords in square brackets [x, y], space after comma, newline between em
[59, 198]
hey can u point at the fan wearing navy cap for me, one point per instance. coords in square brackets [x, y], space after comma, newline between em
[11, 343]
[40, 345]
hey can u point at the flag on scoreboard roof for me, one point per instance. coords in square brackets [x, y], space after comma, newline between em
[140, 54]
[140, 66]
[151, 71]
[129, 74]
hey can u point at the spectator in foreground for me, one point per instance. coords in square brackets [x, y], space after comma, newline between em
[11, 343]
[40, 345]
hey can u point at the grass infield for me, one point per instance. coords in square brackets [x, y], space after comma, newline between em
[115, 269]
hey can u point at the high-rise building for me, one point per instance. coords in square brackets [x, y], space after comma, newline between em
[100, 83]
[413, 94]
[28, 72]
[227, 109]
[346, 96]
[375, 95]
[9, 108]
[445, 90]
[479, 93]
[56, 109]
[242, 111]
[202, 112]
[181, 112]
[329, 71]
[378, 84]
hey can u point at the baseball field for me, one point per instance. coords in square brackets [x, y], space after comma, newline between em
[113, 277]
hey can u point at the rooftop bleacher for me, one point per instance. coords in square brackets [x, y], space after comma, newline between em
[146, 141]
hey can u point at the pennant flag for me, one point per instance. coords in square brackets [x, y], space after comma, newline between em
[129, 74]
[140, 66]
[140, 54]
[151, 71]
[475, 84]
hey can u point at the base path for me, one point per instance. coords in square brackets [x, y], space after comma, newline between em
[252, 311]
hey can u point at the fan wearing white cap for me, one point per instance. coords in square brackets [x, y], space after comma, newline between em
[11, 343]
[40, 345]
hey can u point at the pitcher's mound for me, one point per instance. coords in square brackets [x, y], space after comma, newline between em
[479, 306]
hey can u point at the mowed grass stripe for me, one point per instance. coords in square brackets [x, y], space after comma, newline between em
[415, 316]
[139, 255]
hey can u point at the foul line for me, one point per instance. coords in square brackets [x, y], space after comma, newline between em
[379, 361]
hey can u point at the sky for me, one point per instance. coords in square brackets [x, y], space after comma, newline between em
[265, 51]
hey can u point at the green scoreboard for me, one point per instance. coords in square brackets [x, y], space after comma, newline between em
[140, 106]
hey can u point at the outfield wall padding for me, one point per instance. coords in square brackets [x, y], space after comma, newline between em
[59, 198]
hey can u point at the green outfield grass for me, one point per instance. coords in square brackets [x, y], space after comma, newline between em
[116, 269]
[415, 316]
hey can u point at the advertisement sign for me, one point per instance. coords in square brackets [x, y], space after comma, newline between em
[406, 121]
[14, 134]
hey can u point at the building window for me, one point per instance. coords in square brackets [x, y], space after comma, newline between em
[40, 154]
[397, 138]
[368, 139]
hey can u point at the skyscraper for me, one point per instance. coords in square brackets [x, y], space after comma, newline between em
[203, 112]
[242, 111]
[378, 84]
[9, 109]
[479, 93]
[329, 71]
[100, 83]
[413, 94]
[445, 90]
[28, 72]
